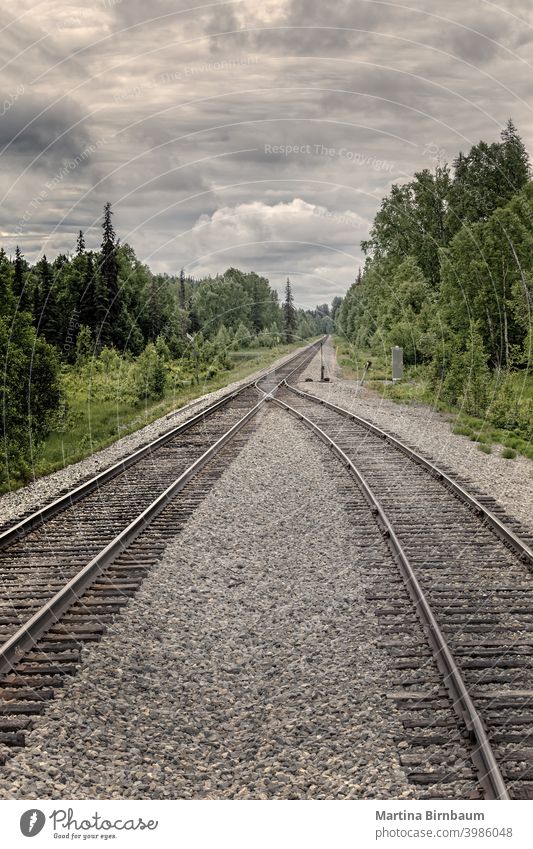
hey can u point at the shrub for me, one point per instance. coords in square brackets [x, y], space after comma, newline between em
[150, 374]
[29, 394]
[242, 338]
[162, 349]
[265, 338]
[84, 345]
[504, 409]
[467, 378]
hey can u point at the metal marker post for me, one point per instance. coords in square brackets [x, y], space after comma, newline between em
[321, 363]
[397, 363]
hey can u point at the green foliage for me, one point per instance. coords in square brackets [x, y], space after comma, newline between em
[242, 338]
[510, 408]
[21, 285]
[29, 394]
[467, 380]
[163, 351]
[224, 338]
[289, 314]
[105, 320]
[448, 277]
[126, 306]
[486, 276]
[84, 345]
[486, 179]
[150, 374]
[411, 222]
[508, 453]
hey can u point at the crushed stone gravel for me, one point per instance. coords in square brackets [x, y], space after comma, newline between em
[15, 504]
[510, 482]
[247, 666]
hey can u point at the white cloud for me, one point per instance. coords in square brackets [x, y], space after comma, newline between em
[293, 237]
[294, 222]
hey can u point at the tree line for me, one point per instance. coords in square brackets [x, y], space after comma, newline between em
[91, 306]
[448, 277]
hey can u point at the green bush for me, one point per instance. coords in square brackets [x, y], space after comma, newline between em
[242, 338]
[29, 394]
[504, 409]
[150, 374]
[84, 345]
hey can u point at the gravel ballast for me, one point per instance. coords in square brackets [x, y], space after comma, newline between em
[13, 505]
[508, 481]
[247, 666]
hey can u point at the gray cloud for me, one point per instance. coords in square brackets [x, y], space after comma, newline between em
[357, 94]
[24, 130]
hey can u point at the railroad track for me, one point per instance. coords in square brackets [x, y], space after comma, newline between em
[68, 568]
[458, 637]
[466, 572]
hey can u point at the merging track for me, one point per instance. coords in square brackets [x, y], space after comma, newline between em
[466, 572]
[454, 594]
[69, 567]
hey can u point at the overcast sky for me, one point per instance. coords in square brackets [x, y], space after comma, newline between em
[256, 134]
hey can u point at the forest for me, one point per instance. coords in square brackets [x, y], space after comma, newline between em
[92, 341]
[94, 337]
[448, 276]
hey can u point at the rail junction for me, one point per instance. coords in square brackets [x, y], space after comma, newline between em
[453, 592]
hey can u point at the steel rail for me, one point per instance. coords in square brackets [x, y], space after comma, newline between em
[260, 376]
[39, 517]
[49, 613]
[483, 755]
[521, 548]
[269, 395]
[26, 636]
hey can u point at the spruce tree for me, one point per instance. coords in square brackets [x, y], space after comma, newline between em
[80, 244]
[108, 304]
[88, 306]
[289, 314]
[20, 289]
[515, 159]
[181, 291]
[7, 301]
[46, 308]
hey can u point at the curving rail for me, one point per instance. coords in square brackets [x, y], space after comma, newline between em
[483, 755]
[39, 517]
[48, 614]
[524, 551]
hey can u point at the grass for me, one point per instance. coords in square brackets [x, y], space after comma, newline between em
[416, 388]
[97, 417]
[482, 431]
[460, 430]
[352, 362]
[379, 376]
